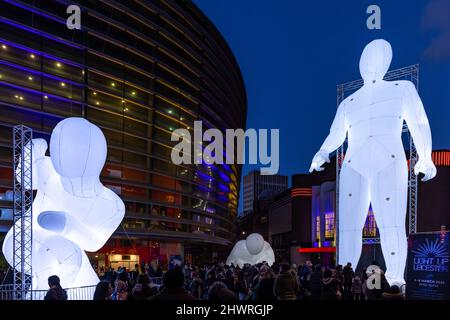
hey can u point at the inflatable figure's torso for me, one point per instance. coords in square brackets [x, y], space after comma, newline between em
[374, 117]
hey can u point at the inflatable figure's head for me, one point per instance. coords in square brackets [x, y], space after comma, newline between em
[375, 60]
[77, 148]
[254, 243]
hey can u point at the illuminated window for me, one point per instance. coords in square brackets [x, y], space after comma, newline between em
[329, 225]
[370, 227]
[318, 228]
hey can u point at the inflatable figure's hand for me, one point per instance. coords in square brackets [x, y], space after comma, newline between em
[319, 159]
[426, 167]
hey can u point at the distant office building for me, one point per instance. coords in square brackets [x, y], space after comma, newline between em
[255, 184]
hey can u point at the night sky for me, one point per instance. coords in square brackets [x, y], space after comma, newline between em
[292, 54]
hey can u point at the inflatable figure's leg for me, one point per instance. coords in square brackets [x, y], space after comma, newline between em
[54, 255]
[389, 192]
[354, 204]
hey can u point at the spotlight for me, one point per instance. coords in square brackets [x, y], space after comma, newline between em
[63, 84]
[58, 65]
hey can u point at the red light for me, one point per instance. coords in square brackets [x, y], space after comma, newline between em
[317, 250]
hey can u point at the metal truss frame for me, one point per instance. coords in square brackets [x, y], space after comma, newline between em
[22, 211]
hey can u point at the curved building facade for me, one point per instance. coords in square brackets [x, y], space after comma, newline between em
[139, 70]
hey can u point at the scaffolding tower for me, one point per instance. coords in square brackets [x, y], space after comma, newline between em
[22, 211]
[410, 73]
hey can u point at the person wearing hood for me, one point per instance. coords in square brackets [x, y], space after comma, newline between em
[286, 284]
[56, 292]
[330, 287]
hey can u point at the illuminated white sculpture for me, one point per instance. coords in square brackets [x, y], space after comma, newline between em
[72, 211]
[253, 250]
[374, 170]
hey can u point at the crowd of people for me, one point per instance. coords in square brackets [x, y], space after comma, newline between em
[261, 282]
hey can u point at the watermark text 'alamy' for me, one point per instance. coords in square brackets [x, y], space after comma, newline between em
[191, 150]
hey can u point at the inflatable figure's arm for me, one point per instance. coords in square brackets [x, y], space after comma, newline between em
[335, 139]
[418, 125]
[91, 233]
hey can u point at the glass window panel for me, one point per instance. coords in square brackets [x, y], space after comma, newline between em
[104, 118]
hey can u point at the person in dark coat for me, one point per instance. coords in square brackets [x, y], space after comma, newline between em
[154, 271]
[56, 292]
[143, 288]
[316, 283]
[348, 279]
[264, 288]
[173, 287]
[103, 291]
[286, 284]
[219, 292]
[330, 286]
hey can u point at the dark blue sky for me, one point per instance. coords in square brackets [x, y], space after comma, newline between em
[292, 54]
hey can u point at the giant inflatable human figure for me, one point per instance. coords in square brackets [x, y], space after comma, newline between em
[374, 170]
[252, 250]
[72, 211]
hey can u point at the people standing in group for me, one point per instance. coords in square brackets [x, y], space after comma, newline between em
[256, 282]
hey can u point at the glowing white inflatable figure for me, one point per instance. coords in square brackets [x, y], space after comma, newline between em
[375, 170]
[253, 250]
[72, 211]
